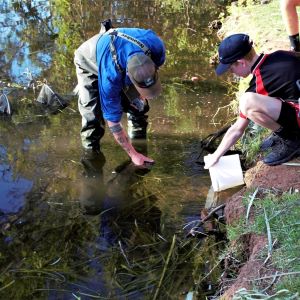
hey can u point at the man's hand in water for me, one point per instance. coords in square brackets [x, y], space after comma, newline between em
[121, 137]
[141, 160]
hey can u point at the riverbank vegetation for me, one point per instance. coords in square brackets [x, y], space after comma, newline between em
[276, 216]
[269, 213]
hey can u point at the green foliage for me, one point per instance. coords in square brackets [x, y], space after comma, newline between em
[265, 34]
[244, 294]
[247, 3]
[282, 213]
[173, 5]
[251, 141]
[233, 232]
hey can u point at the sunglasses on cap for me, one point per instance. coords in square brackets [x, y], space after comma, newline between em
[148, 82]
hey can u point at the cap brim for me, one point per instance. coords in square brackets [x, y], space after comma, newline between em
[150, 92]
[222, 68]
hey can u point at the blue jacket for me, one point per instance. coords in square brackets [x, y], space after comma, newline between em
[110, 80]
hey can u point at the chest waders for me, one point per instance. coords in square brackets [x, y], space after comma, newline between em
[92, 121]
[135, 108]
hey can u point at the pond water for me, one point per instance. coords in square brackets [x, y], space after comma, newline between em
[79, 227]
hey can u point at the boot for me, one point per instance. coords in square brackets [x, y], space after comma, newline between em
[283, 151]
[269, 141]
[93, 162]
[91, 135]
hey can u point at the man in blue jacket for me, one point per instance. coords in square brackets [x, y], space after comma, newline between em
[117, 72]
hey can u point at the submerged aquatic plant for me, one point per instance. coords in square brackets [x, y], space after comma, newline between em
[58, 251]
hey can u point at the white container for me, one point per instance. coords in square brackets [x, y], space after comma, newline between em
[226, 173]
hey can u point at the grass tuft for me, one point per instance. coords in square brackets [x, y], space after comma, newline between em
[276, 216]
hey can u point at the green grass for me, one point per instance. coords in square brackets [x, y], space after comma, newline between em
[279, 212]
[251, 141]
[243, 294]
[262, 22]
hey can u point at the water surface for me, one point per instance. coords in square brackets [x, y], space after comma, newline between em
[81, 227]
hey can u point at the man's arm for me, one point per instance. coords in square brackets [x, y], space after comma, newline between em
[230, 138]
[122, 139]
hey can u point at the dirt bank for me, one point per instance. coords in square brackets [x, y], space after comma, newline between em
[253, 266]
[268, 36]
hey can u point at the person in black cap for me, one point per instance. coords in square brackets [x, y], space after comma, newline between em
[117, 71]
[291, 21]
[271, 100]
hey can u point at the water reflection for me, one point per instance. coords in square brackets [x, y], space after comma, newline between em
[27, 30]
[117, 196]
[127, 216]
[92, 190]
[13, 190]
[84, 231]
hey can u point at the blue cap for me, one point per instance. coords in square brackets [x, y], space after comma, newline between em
[231, 49]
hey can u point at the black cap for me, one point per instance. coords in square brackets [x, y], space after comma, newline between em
[231, 49]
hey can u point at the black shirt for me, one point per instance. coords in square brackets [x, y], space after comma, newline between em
[275, 75]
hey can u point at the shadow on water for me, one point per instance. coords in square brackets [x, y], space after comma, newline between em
[91, 231]
[79, 226]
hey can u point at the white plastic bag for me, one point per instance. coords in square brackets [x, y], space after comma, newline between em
[226, 173]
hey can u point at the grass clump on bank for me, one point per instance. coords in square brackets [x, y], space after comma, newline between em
[262, 22]
[277, 217]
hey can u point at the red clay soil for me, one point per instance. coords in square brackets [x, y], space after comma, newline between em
[282, 178]
[250, 267]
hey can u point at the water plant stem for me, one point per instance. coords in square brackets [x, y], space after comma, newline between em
[165, 268]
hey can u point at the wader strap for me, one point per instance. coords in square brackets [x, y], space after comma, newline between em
[113, 34]
[113, 52]
[298, 86]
